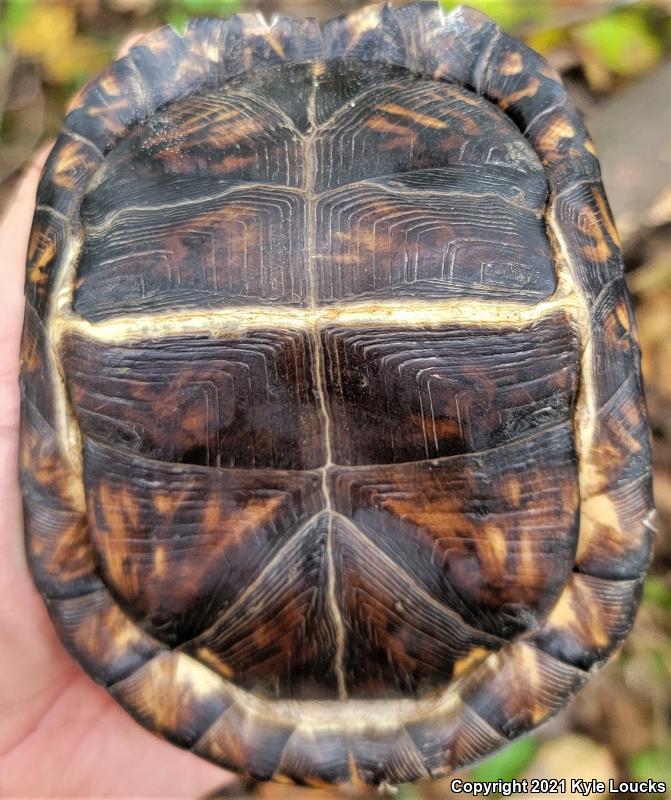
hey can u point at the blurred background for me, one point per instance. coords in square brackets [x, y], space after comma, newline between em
[615, 58]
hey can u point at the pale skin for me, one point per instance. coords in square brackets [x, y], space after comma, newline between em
[61, 735]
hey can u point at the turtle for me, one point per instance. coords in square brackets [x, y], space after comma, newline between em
[335, 459]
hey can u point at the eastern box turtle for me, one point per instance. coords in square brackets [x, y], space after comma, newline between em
[334, 448]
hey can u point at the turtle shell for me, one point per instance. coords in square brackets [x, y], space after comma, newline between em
[334, 450]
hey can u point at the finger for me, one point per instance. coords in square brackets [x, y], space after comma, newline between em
[24, 198]
[14, 234]
[30, 657]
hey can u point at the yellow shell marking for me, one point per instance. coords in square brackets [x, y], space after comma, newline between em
[512, 64]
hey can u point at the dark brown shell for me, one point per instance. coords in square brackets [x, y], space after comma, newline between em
[334, 448]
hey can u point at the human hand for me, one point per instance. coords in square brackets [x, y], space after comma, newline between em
[61, 735]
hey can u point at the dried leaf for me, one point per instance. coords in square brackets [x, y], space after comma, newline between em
[48, 34]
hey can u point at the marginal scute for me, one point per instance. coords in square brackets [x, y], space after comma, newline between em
[616, 533]
[300, 39]
[103, 110]
[261, 45]
[59, 550]
[246, 742]
[47, 249]
[175, 68]
[621, 450]
[519, 688]
[36, 375]
[106, 642]
[614, 337]
[324, 757]
[67, 172]
[370, 33]
[315, 759]
[443, 45]
[564, 147]
[45, 474]
[590, 619]
[175, 696]
[513, 75]
[453, 739]
[589, 236]
[207, 36]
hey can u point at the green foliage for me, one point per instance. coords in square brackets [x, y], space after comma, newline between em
[177, 18]
[508, 14]
[182, 10]
[654, 764]
[508, 763]
[220, 7]
[15, 13]
[621, 42]
[408, 793]
[657, 593]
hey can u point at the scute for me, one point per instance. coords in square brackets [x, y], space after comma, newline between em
[244, 402]
[236, 197]
[242, 195]
[334, 450]
[381, 382]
